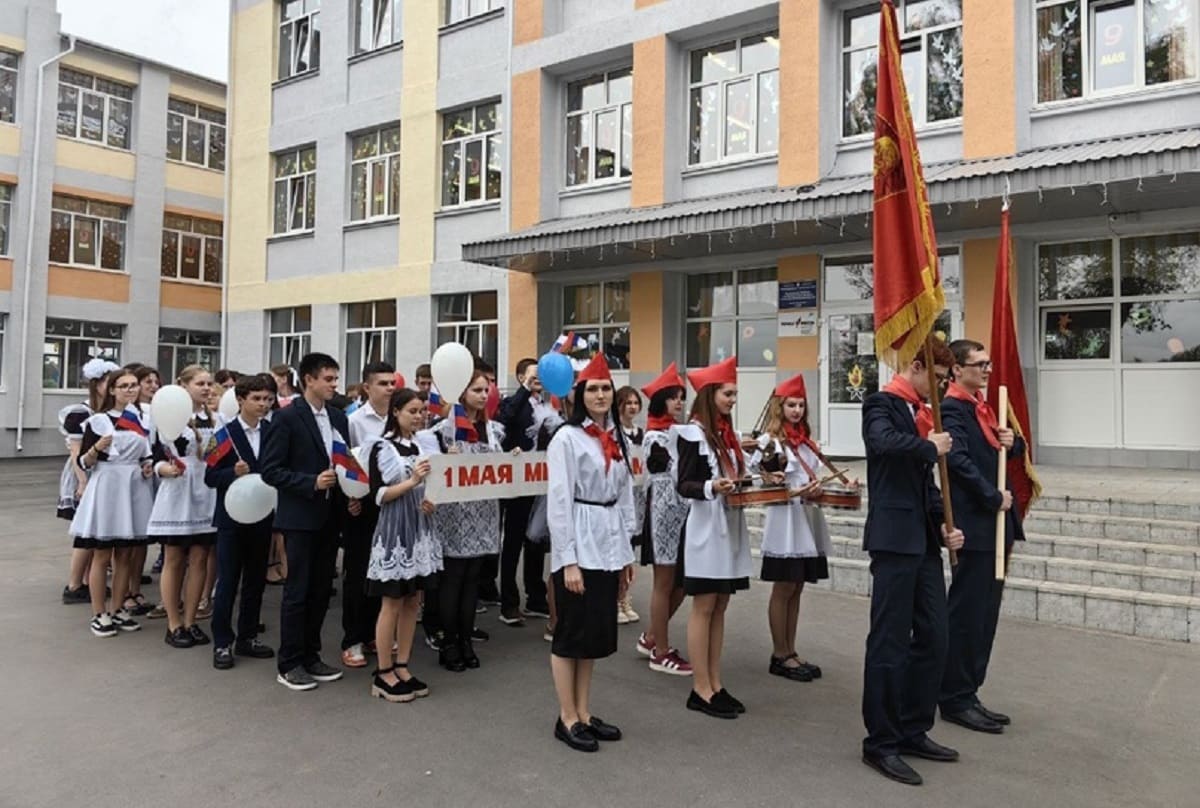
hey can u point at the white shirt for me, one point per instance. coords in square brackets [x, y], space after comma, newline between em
[323, 424]
[253, 434]
[593, 536]
[365, 422]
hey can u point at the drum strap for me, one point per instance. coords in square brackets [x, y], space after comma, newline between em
[808, 469]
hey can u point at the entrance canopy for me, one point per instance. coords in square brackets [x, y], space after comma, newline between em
[1139, 173]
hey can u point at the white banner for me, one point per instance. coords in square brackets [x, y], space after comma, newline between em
[496, 475]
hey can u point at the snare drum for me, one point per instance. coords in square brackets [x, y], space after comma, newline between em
[766, 495]
[841, 497]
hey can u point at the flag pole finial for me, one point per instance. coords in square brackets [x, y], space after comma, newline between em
[1007, 193]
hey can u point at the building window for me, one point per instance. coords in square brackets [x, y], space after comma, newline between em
[94, 109]
[195, 134]
[68, 346]
[599, 313]
[87, 233]
[931, 58]
[471, 319]
[457, 10]
[289, 335]
[378, 24]
[299, 37]
[375, 174]
[1137, 298]
[191, 249]
[600, 128]
[370, 334]
[1129, 44]
[732, 314]
[6, 195]
[296, 190]
[735, 99]
[8, 86]
[179, 347]
[471, 155]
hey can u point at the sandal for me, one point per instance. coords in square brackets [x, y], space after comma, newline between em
[277, 581]
[813, 670]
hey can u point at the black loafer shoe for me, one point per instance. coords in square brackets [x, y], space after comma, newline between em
[972, 719]
[198, 635]
[813, 670]
[253, 649]
[715, 708]
[999, 718]
[222, 658]
[796, 674]
[578, 737]
[726, 698]
[602, 730]
[923, 747]
[893, 768]
[450, 658]
[179, 638]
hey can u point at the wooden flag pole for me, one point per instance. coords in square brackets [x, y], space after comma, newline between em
[1001, 483]
[935, 403]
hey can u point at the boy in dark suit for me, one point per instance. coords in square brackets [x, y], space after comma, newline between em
[974, 600]
[906, 646]
[297, 462]
[241, 549]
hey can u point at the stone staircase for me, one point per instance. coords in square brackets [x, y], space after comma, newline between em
[1111, 564]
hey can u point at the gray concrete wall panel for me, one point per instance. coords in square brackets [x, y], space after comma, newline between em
[374, 76]
[594, 200]
[374, 246]
[452, 229]
[729, 178]
[295, 258]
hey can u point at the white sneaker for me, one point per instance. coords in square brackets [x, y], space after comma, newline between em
[633, 616]
[124, 621]
[102, 625]
[622, 615]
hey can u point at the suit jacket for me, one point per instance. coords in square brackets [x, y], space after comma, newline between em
[904, 507]
[222, 475]
[293, 455]
[973, 489]
[516, 414]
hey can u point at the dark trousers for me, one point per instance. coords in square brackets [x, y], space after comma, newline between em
[974, 610]
[515, 514]
[241, 554]
[457, 587]
[359, 612]
[488, 571]
[906, 649]
[311, 555]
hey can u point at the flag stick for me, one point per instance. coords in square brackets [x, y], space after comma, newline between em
[935, 404]
[1001, 482]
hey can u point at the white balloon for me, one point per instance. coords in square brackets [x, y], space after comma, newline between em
[452, 365]
[228, 405]
[249, 499]
[355, 489]
[171, 408]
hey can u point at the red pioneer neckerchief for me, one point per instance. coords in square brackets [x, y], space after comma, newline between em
[610, 448]
[902, 388]
[983, 412]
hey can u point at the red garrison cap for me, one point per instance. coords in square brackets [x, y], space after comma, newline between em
[596, 370]
[669, 378]
[720, 373]
[792, 388]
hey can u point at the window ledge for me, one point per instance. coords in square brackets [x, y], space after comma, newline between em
[97, 144]
[587, 189]
[87, 267]
[368, 224]
[307, 74]
[64, 391]
[366, 55]
[175, 162]
[730, 165]
[933, 130]
[469, 22]
[291, 236]
[462, 210]
[191, 282]
[1049, 109]
[13, 124]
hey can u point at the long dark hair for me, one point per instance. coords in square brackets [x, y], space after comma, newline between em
[579, 414]
[398, 401]
[658, 402]
[110, 394]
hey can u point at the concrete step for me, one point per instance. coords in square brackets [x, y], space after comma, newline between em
[1142, 614]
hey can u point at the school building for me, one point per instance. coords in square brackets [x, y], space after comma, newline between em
[691, 179]
[111, 217]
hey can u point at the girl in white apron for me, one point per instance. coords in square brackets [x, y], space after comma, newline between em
[626, 407]
[116, 503]
[183, 513]
[795, 540]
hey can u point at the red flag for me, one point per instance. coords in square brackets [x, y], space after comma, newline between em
[908, 286]
[1006, 370]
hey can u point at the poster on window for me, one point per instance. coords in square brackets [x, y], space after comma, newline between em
[1115, 55]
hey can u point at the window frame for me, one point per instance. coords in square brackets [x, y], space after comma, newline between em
[207, 355]
[605, 325]
[723, 158]
[448, 6]
[105, 116]
[293, 338]
[919, 114]
[3, 336]
[737, 318]
[592, 113]
[205, 240]
[391, 175]
[15, 70]
[310, 16]
[469, 322]
[395, 29]
[299, 177]
[7, 194]
[195, 117]
[368, 333]
[462, 142]
[69, 339]
[1087, 94]
[100, 220]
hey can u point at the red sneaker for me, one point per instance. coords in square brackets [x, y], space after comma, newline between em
[644, 646]
[671, 662]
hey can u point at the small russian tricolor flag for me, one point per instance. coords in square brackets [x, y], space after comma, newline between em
[464, 430]
[341, 458]
[131, 422]
[435, 402]
[220, 445]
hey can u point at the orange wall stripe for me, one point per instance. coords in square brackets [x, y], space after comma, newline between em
[528, 18]
[193, 296]
[525, 167]
[798, 353]
[989, 79]
[91, 284]
[99, 196]
[646, 322]
[522, 318]
[800, 85]
[649, 121]
[6, 272]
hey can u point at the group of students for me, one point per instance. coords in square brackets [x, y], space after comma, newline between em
[406, 560]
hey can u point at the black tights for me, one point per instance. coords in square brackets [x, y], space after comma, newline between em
[458, 588]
